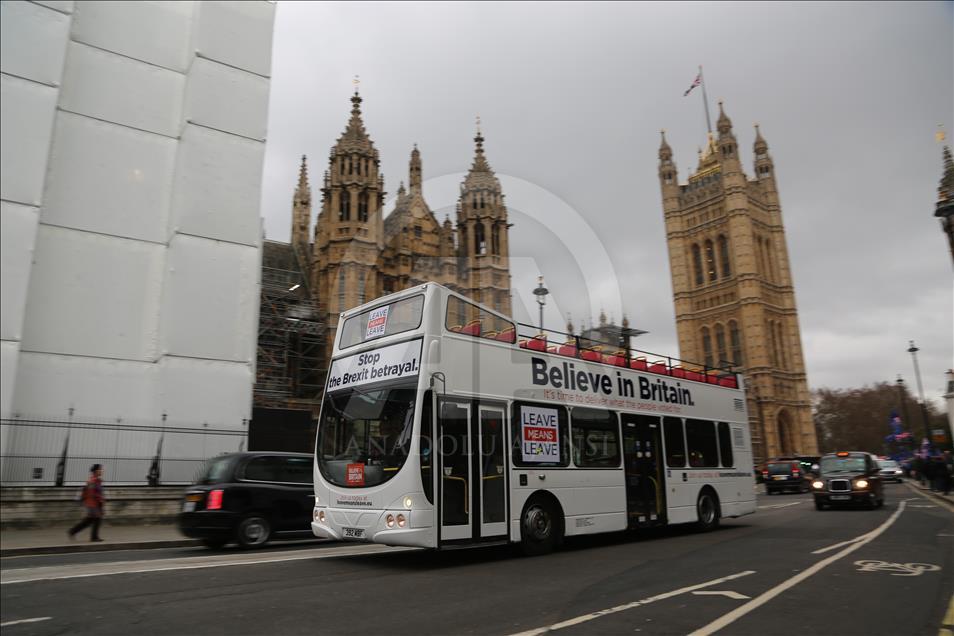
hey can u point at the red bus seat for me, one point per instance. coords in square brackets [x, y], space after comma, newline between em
[472, 328]
[507, 335]
[567, 350]
[592, 356]
[729, 381]
[659, 367]
[639, 364]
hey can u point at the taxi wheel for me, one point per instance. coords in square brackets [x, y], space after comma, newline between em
[253, 531]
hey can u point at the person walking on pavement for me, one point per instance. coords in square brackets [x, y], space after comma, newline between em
[947, 472]
[92, 500]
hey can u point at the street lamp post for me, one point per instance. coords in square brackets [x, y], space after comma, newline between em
[904, 402]
[913, 350]
[541, 293]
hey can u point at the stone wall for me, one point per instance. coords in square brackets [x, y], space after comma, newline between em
[51, 506]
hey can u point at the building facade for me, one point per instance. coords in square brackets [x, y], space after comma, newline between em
[732, 285]
[133, 144]
[357, 255]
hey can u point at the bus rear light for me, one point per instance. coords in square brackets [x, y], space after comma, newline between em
[215, 500]
[401, 521]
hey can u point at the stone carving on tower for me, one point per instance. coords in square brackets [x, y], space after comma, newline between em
[732, 285]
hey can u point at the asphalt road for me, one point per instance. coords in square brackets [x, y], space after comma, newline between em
[788, 569]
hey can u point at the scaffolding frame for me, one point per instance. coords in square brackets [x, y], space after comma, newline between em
[289, 370]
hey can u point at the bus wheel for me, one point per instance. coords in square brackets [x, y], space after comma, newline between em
[253, 531]
[541, 528]
[707, 506]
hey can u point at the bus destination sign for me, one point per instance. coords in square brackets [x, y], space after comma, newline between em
[393, 362]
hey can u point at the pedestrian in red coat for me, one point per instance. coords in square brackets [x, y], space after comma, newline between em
[92, 500]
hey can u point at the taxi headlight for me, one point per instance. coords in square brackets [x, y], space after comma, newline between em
[818, 484]
[389, 521]
[861, 484]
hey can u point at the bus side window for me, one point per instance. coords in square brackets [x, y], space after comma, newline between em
[725, 445]
[701, 440]
[675, 444]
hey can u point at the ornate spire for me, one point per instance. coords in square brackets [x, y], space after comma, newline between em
[724, 124]
[415, 170]
[481, 175]
[355, 137]
[945, 191]
[303, 175]
[665, 152]
[760, 146]
[401, 191]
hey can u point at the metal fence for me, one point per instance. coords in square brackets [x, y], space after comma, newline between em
[38, 452]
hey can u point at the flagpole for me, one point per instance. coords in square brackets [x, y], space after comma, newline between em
[705, 100]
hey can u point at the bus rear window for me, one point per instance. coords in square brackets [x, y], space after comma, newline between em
[386, 320]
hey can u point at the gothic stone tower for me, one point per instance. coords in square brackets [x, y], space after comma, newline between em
[732, 285]
[349, 232]
[483, 245]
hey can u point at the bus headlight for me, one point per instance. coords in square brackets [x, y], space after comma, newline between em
[320, 516]
[408, 502]
[389, 521]
[401, 521]
[818, 485]
[861, 484]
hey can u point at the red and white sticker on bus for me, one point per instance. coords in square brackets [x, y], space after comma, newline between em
[540, 434]
[355, 476]
[377, 322]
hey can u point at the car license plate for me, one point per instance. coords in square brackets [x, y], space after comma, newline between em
[778, 477]
[840, 497]
[352, 533]
[188, 506]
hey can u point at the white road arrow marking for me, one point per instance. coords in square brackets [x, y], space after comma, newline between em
[729, 593]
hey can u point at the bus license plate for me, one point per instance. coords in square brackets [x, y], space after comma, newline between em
[840, 497]
[352, 533]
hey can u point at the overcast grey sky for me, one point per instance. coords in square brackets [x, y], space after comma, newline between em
[572, 98]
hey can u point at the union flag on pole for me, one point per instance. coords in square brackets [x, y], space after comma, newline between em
[695, 83]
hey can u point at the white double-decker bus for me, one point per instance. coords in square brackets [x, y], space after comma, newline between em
[446, 424]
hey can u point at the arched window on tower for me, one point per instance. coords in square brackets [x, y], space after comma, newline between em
[341, 289]
[706, 347]
[480, 243]
[357, 165]
[697, 264]
[735, 340]
[720, 345]
[783, 353]
[771, 327]
[344, 206]
[361, 282]
[363, 206]
[724, 256]
[481, 200]
[495, 240]
[710, 261]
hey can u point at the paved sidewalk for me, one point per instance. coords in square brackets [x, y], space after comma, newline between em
[927, 491]
[16, 541]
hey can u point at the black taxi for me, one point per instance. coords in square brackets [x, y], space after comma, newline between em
[848, 478]
[250, 498]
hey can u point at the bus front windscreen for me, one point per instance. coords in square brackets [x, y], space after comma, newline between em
[364, 435]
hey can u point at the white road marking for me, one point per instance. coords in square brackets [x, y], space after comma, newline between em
[785, 505]
[767, 596]
[896, 569]
[26, 620]
[622, 608]
[729, 593]
[58, 572]
[838, 545]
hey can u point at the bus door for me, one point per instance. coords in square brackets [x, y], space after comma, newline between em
[642, 456]
[472, 475]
